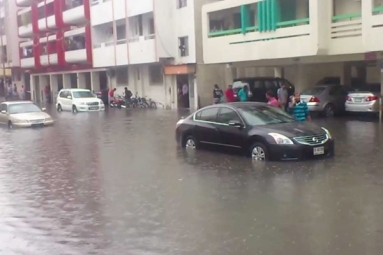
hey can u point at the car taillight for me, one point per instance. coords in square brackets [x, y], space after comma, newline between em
[372, 98]
[349, 98]
[314, 100]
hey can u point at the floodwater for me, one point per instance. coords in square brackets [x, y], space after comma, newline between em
[116, 183]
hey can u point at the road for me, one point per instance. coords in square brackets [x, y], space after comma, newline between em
[116, 183]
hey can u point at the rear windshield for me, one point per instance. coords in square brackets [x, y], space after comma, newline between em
[313, 91]
[374, 88]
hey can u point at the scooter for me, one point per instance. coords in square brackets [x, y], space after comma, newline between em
[117, 102]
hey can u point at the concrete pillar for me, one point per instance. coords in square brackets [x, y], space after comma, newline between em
[345, 77]
[320, 24]
[81, 83]
[32, 88]
[361, 72]
[95, 81]
[301, 78]
[367, 7]
[66, 81]
[54, 86]
[229, 76]
[279, 72]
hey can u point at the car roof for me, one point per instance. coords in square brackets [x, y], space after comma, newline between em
[17, 102]
[235, 105]
[76, 89]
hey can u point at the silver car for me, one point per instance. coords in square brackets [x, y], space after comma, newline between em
[326, 99]
[364, 99]
[23, 114]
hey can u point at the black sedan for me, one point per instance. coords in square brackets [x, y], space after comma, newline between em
[263, 132]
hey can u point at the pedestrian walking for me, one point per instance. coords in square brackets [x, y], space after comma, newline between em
[217, 95]
[229, 94]
[283, 95]
[271, 100]
[23, 93]
[299, 108]
[243, 94]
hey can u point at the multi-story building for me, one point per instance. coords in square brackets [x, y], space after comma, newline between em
[308, 39]
[153, 47]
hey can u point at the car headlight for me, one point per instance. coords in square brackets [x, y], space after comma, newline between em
[327, 133]
[280, 139]
[48, 119]
[82, 103]
[101, 103]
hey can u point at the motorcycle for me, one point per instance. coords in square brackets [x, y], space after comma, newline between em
[117, 102]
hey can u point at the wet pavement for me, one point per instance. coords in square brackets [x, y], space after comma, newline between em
[116, 183]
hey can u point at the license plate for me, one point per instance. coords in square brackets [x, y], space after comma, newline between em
[358, 100]
[93, 108]
[319, 151]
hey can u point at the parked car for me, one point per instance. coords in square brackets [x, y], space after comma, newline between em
[326, 99]
[78, 100]
[364, 99]
[262, 131]
[22, 114]
[260, 85]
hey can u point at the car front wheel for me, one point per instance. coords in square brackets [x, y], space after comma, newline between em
[59, 108]
[259, 152]
[190, 143]
[74, 109]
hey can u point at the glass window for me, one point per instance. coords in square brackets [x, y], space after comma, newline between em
[83, 94]
[23, 108]
[3, 107]
[264, 115]
[258, 84]
[209, 114]
[64, 94]
[271, 85]
[313, 91]
[226, 115]
[336, 90]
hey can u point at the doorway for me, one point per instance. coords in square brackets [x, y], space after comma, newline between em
[103, 78]
[36, 89]
[183, 91]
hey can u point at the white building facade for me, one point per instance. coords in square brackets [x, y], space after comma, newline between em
[304, 40]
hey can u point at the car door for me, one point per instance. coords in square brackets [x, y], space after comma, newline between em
[257, 88]
[66, 101]
[206, 130]
[228, 135]
[3, 116]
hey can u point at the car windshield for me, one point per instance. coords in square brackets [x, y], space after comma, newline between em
[238, 85]
[83, 94]
[23, 108]
[264, 115]
[313, 91]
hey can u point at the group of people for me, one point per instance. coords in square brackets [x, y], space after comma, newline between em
[293, 105]
[14, 93]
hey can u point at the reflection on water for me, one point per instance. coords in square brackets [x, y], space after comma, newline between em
[116, 183]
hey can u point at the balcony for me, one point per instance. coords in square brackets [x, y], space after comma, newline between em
[102, 13]
[103, 54]
[75, 43]
[25, 23]
[24, 3]
[46, 15]
[142, 49]
[26, 53]
[74, 13]
[48, 54]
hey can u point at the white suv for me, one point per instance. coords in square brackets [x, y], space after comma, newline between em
[78, 100]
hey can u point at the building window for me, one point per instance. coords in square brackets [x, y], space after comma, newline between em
[182, 3]
[155, 74]
[122, 76]
[183, 46]
[151, 27]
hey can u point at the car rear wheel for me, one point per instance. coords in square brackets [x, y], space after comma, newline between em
[74, 109]
[329, 111]
[190, 143]
[259, 152]
[59, 108]
[10, 125]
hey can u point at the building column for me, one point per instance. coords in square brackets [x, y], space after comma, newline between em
[301, 78]
[54, 86]
[345, 77]
[361, 73]
[32, 88]
[367, 7]
[81, 83]
[320, 22]
[95, 81]
[66, 81]
[279, 72]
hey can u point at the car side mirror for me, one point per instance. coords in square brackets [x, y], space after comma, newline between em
[3, 112]
[235, 123]
[69, 97]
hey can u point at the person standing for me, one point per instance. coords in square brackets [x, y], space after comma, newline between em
[299, 109]
[271, 100]
[9, 92]
[283, 95]
[229, 93]
[15, 92]
[47, 92]
[128, 95]
[23, 93]
[243, 94]
[185, 95]
[111, 94]
[217, 95]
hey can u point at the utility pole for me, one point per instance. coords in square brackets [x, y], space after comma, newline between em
[2, 25]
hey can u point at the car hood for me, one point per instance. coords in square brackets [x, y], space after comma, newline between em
[30, 116]
[294, 129]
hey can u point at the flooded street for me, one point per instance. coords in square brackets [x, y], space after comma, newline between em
[117, 183]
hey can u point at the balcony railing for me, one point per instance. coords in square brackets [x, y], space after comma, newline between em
[70, 4]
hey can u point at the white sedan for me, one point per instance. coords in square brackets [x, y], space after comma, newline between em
[78, 100]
